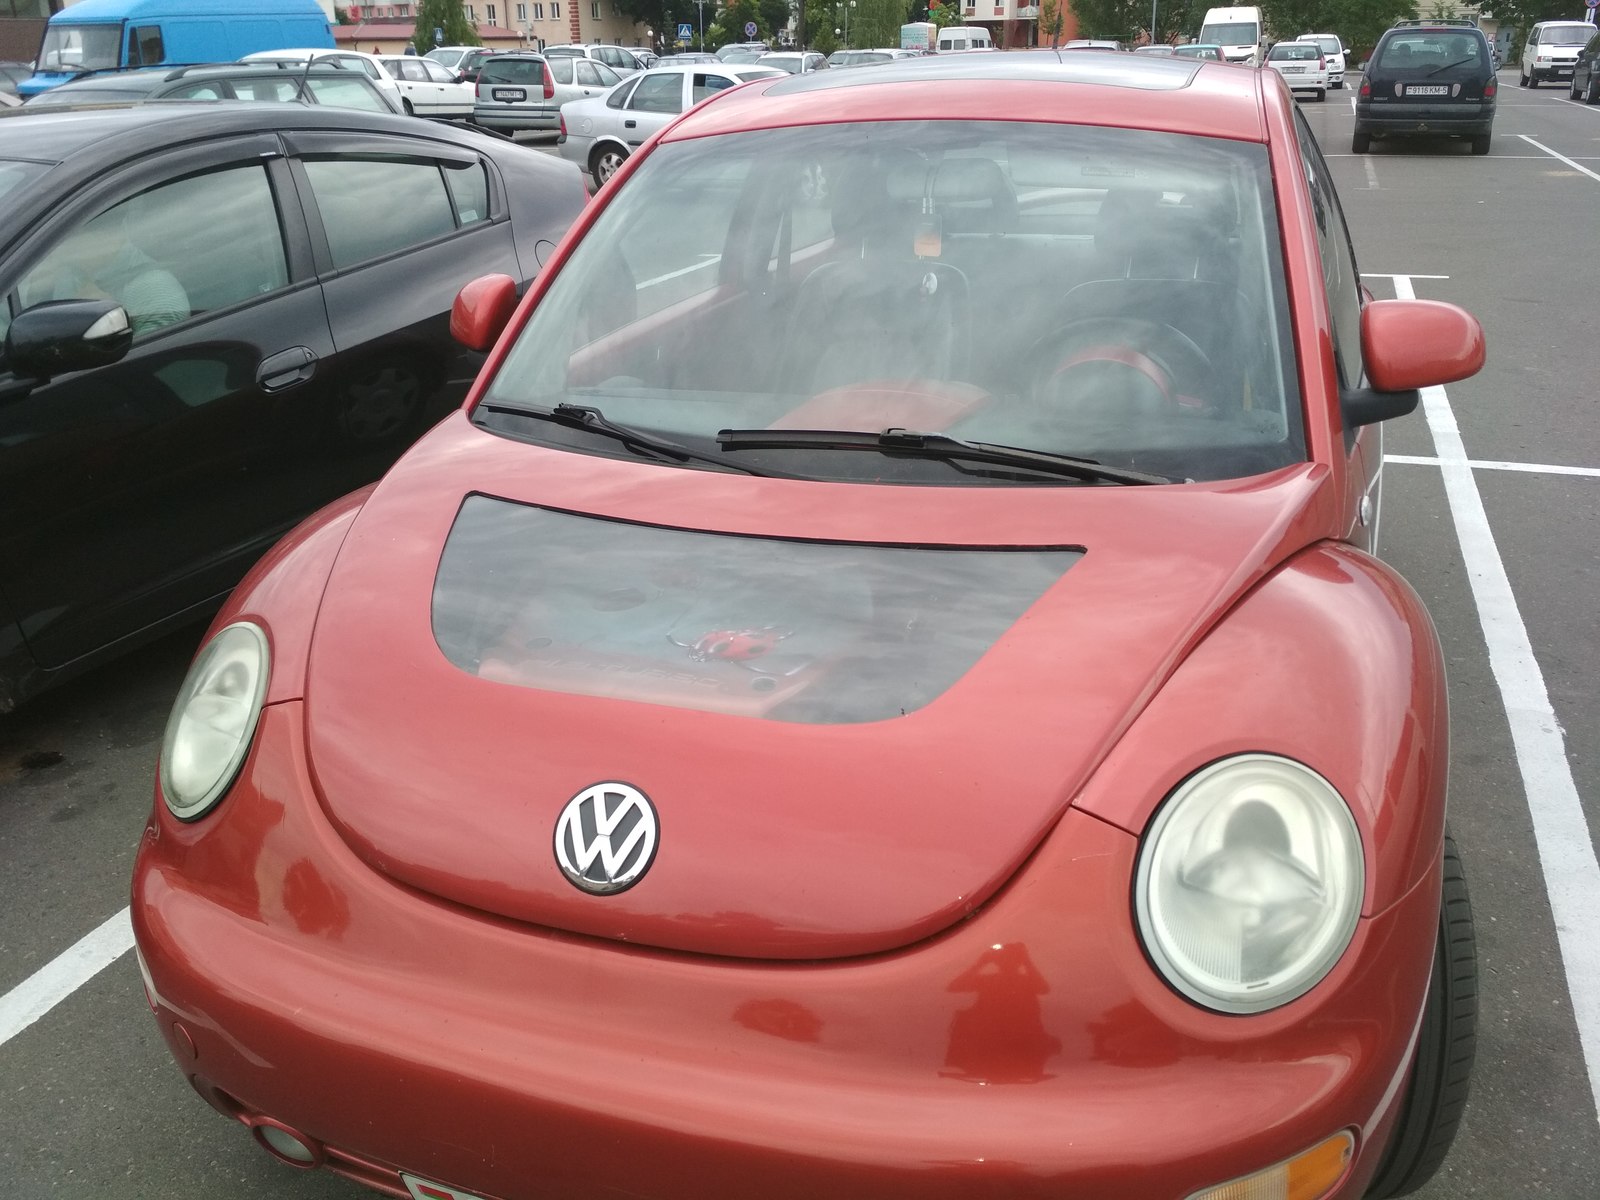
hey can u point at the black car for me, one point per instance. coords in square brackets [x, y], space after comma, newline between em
[215, 319]
[1427, 78]
[1585, 72]
[314, 83]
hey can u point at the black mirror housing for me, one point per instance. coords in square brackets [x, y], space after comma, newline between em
[59, 336]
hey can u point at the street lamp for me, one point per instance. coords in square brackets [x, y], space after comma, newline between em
[702, 6]
[846, 10]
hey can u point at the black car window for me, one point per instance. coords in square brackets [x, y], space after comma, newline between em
[1445, 54]
[1340, 279]
[150, 253]
[282, 89]
[410, 193]
[347, 93]
[196, 91]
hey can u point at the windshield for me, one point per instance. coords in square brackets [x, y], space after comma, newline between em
[81, 48]
[1211, 52]
[1565, 35]
[1237, 33]
[1328, 45]
[1294, 52]
[1102, 293]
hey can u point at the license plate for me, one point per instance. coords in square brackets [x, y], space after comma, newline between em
[1428, 89]
[510, 95]
[1294, 70]
[421, 1189]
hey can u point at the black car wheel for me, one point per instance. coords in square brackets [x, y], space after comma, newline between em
[1591, 91]
[1522, 78]
[1572, 92]
[1442, 1071]
[1480, 144]
[1360, 141]
[1322, 95]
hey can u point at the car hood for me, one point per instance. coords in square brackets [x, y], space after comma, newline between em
[508, 626]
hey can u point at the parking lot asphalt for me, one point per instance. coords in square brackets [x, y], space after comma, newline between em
[1490, 497]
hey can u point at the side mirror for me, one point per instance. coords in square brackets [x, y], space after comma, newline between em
[482, 310]
[59, 336]
[1408, 345]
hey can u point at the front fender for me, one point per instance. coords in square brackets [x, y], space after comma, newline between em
[283, 592]
[1333, 661]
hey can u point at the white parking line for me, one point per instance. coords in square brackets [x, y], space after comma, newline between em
[1561, 833]
[64, 974]
[1479, 464]
[1562, 157]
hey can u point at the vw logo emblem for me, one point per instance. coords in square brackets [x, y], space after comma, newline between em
[606, 838]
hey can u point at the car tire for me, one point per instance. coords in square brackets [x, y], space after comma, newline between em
[1322, 94]
[1572, 92]
[406, 104]
[1360, 142]
[1591, 92]
[1480, 143]
[1441, 1073]
[1522, 78]
[1533, 79]
[604, 162]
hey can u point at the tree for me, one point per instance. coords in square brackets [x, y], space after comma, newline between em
[1051, 22]
[445, 15]
[1125, 19]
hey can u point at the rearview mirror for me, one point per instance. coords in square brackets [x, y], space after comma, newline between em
[59, 336]
[482, 310]
[1408, 345]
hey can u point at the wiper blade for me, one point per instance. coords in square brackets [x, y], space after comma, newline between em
[933, 445]
[582, 416]
[1460, 62]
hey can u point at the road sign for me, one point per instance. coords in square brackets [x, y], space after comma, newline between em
[749, 29]
[685, 32]
[438, 35]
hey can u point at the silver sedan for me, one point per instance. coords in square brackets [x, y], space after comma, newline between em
[599, 133]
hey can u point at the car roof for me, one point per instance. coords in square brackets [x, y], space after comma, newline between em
[53, 135]
[1181, 95]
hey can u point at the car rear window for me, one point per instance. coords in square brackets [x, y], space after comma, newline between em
[1106, 293]
[513, 70]
[1440, 53]
[1295, 52]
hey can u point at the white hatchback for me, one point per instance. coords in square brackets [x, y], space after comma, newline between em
[1332, 52]
[1302, 66]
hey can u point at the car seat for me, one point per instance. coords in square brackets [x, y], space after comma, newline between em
[877, 311]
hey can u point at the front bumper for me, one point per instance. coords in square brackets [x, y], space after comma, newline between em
[1028, 1052]
[1552, 70]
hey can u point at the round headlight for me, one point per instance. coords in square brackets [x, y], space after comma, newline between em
[1249, 883]
[213, 721]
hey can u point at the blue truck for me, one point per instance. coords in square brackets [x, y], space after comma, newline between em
[111, 35]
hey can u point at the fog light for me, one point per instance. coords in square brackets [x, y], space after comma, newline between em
[286, 1145]
[1306, 1176]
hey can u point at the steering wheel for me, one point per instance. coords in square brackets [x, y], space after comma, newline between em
[1128, 366]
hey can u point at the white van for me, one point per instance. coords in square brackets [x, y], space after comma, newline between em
[1240, 32]
[959, 38]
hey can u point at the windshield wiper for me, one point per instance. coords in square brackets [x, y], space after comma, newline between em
[933, 445]
[580, 416]
[1460, 62]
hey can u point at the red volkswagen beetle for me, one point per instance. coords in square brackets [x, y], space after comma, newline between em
[884, 690]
